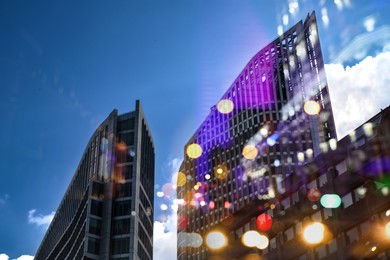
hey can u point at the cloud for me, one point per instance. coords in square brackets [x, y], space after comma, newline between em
[164, 238]
[25, 257]
[3, 200]
[4, 257]
[22, 257]
[39, 220]
[358, 92]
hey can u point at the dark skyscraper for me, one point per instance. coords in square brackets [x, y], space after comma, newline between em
[107, 210]
[275, 117]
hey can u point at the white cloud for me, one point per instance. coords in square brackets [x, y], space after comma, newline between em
[165, 239]
[22, 257]
[4, 257]
[358, 92]
[39, 220]
[25, 257]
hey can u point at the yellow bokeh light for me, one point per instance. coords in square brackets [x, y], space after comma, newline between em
[387, 229]
[250, 152]
[311, 107]
[225, 106]
[250, 238]
[216, 240]
[221, 172]
[181, 179]
[196, 187]
[314, 233]
[194, 151]
[373, 248]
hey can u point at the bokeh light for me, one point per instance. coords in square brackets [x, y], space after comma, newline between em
[330, 201]
[311, 107]
[387, 229]
[225, 106]
[263, 242]
[250, 152]
[313, 195]
[264, 222]
[181, 179]
[221, 172]
[250, 238]
[160, 194]
[211, 204]
[168, 190]
[164, 207]
[194, 151]
[207, 176]
[182, 222]
[314, 233]
[216, 240]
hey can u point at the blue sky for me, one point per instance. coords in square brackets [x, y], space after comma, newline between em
[65, 65]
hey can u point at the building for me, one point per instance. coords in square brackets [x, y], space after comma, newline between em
[357, 169]
[275, 117]
[107, 210]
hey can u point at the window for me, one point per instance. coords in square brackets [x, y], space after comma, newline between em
[352, 235]
[120, 245]
[121, 226]
[93, 245]
[127, 124]
[347, 200]
[289, 234]
[123, 190]
[122, 208]
[94, 226]
[322, 180]
[96, 207]
[332, 245]
[341, 167]
[127, 138]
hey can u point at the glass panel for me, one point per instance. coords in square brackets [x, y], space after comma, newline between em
[93, 245]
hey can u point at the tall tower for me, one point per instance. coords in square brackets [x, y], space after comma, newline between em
[275, 116]
[107, 210]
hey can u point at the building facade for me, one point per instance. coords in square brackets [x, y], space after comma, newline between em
[107, 210]
[275, 117]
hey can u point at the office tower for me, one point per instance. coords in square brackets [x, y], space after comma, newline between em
[107, 210]
[275, 117]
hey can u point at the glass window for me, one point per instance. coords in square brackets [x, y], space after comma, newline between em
[96, 207]
[321, 252]
[341, 167]
[93, 245]
[123, 190]
[322, 180]
[97, 189]
[352, 235]
[289, 234]
[332, 245]
[120, 245]
[347, 200]
[94, 226]
[122, 208]
[127, 138]
[121, 226]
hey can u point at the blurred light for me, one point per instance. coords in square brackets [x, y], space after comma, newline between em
[182, 222]
[194, 151]
[385, 191]
[178, 201]
[301, 156]
[227, 204]
[272, 139]
[277, 163]
[387, 212]
[250, 152]
[373, 248]
[339, 4]
[263, 242]
[211, 205]
[368, 129]
[361, 191]
[325, 18]
[160, 194]
[285, 19]
[333, 144]
[220, 172]
[181, 179]
[202, 203]
[264, 222]
[330, 201]
[387, 229]
[225, 106]
[272, 206]
[309, 153]
[314, 207]
[324, 147]
[189, 239]
[216, 240]
[250, 238]
[168, 190]
[163, 207]
[311, 107]
[314, 233]
[369, 23]
[271, 192]
[264, 131]
[313, 195]
[280, 30]
[207, 176]
[196, 187]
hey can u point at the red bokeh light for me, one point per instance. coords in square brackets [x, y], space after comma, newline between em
[313, 195]
[264, 222]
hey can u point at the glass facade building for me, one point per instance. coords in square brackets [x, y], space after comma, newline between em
[107, 210]
[275, 117]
